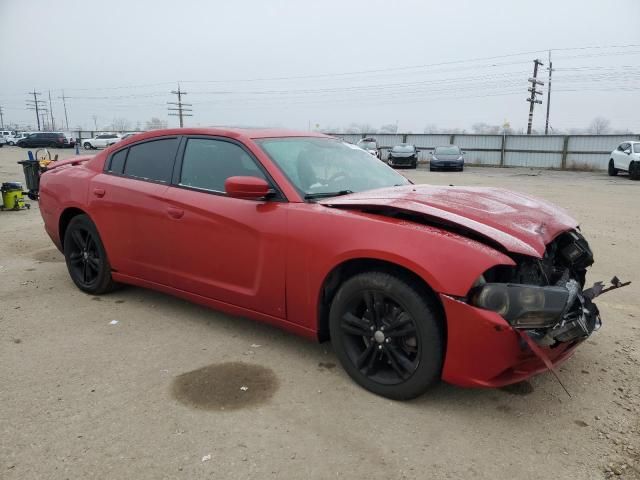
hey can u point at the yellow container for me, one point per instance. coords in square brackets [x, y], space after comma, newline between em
[12, 198]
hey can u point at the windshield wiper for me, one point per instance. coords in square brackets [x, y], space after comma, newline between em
[310, 196]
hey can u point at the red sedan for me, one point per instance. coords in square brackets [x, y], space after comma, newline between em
[411, 283]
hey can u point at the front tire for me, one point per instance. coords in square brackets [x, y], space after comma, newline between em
[634, 170]
[611, 170]
[86, 257]
[87, 146]
[387, 335]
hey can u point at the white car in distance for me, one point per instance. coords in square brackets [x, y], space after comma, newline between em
[102, 140]
[626, 158]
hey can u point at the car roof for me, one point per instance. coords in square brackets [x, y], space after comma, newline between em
[237, 133]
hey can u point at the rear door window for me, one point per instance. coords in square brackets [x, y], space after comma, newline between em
[152, 160]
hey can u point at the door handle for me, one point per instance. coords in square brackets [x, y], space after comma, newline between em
[99, 192]
[175, 212]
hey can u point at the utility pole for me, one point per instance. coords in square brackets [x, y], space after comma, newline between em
[1, 118]
[64, 104]
[546, 125]
[532, 99]
[53, 122]
[179, 106]
[35, 104]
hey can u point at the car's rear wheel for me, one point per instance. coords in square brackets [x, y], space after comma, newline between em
[634, 170]
[386, 333]
[87, 146]
[86, 257]
[611, 170]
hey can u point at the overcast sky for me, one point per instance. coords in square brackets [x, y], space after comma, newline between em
[416, 63]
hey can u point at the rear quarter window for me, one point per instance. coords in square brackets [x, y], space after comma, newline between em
[116, 164]
[152, 160]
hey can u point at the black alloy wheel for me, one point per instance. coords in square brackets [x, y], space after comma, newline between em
[86, 257]
[611, 170]
[634, 170]
[386, 334]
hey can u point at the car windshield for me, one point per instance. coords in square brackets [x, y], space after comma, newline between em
[402, 148]
[452, 150]
[326, 166]
[368, 145]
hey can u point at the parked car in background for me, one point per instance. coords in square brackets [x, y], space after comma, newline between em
[3, 142]
[6, 134]
[370, 145]
[43, 139]
[129, 134]
[626, 158]
[71, 139]
[410, 283]
[403, 155]
[447, 157]
[101, 141]
[16, 137]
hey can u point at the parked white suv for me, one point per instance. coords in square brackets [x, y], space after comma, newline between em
[16, 137]
[626, 158]
[100, 141]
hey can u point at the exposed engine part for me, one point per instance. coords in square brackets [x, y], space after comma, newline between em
[564, 264]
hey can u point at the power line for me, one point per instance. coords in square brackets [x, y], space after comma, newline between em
[532, 99]
[179, 106]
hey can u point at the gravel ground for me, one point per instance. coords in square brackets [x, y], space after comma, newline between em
[85, 397]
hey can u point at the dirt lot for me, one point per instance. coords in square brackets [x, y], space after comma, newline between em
[84, 398]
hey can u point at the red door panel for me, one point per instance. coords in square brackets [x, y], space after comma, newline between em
[131, 216]
[229, 249]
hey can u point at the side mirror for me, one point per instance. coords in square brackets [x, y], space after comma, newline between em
[249, 188]
[463, 152]
[628, 152]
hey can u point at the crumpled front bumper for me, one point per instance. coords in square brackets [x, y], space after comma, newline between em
[483, 350]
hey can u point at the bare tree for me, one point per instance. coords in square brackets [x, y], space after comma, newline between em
[155, 124]
[389, 128]
[599, 126]
[120, 125]
[485, 128]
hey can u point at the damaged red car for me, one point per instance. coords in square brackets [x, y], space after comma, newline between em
[410, 283]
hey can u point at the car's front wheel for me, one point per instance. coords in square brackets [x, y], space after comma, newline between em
[634, 170]
[611, 170]
[87, 146]
[86, 257]
[386, 333]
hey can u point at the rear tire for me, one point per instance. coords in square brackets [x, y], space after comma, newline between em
[387, 335]
[87, 146]
[86, 257]
[634, 170]
[611, 170]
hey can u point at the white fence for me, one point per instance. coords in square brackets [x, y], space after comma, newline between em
[539, 151]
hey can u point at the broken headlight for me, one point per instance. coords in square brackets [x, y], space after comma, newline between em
[523, 306]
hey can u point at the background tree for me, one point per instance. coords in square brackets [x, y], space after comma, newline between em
[599, 126]
[120, 125]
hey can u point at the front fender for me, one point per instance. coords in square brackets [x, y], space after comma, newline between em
[321, 239]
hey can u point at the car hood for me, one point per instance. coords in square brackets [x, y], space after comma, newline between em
[401, 154]
[515, 221]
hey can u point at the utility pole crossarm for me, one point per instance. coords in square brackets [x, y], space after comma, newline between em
[179, 106]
